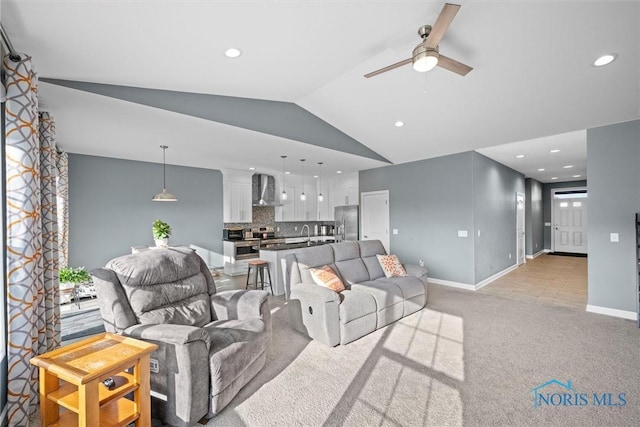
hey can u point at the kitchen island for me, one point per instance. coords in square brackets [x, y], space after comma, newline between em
[275, 256]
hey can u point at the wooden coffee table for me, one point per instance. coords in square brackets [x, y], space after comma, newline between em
[72, 377]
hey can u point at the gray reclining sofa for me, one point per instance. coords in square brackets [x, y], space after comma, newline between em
[370, 301]
[209, 344]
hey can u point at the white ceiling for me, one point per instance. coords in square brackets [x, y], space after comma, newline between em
[532, 75]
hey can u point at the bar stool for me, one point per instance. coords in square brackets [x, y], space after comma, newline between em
[258, 266]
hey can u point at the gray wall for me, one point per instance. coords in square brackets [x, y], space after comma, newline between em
[110, 207]
[613, 161]
[430, 200]
[534, 218]
[494, 190]
[547, 202]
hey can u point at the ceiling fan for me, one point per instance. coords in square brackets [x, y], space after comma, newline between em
[427, 55]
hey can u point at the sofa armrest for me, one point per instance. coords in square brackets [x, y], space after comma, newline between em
[180, 392]
[168, 333]
[241, 304]
[315, 311]
[313, 291]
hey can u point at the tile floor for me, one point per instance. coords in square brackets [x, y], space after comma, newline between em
[551, 279]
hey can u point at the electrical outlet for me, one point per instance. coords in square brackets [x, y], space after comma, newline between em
[509, 256]
[154, 366]
[295, 228]
[395, 231]
[421, 262]
[278, 229]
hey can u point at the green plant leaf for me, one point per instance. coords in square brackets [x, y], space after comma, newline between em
[160, 229]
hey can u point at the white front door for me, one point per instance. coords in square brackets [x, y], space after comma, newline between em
[520, 233]
[375, 216]
[570, 224]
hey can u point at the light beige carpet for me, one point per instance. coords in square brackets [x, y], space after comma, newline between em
[467, 359]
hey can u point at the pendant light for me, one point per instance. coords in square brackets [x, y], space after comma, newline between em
[303, 197]
[320, 196]
[283, 195]
[164, 196]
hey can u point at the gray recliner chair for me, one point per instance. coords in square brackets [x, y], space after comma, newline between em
[210, 344]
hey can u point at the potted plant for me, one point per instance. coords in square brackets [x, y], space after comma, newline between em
[70, 278]
[161, 232]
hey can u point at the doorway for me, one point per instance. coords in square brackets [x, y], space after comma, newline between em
[375, 216]
[520, 232]
[569, 217]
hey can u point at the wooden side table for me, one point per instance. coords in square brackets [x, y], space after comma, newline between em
[72, 376]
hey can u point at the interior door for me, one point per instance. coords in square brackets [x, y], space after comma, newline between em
[570, 224]
[375, 217]
[520, 230]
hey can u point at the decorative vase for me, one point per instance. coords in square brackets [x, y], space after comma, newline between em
[162, 243]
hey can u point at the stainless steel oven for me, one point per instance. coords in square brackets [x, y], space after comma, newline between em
[247, 249]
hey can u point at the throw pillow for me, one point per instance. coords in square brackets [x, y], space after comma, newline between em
[326, 277]
[391, 265]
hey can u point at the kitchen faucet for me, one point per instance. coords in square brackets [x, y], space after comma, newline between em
[308, 234]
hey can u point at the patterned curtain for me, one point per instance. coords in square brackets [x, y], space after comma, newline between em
[62, 186]
[33, 311]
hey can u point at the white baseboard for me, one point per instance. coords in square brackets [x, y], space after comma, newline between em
[459, 285]
[499, 274]
[631, 315]
[477, 286]
[537, 254]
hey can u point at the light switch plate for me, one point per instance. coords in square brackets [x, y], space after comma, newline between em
[395, 231]
[463, 233]
[614, 237]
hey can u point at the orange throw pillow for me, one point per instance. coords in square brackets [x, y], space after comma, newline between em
[391, 265]
[326, 277]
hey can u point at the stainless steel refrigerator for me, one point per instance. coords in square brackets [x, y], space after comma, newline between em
[346, 226]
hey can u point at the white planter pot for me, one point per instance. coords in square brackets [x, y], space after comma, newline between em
[162, 243]
[66, 292]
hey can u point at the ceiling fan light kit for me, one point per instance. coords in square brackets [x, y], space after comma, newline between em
[424, 58]
[426, 55]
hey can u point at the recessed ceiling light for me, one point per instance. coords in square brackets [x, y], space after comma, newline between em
[577, 176]
[338, 171]
[232, 52]
[399, 124]
[315, 176]
[605, 60]
[568, 166]
[541, 170]
[252, 169]
[554, 177]
[519, 156]
[555, 150]
[287, 173]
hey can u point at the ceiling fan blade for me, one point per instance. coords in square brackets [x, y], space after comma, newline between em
[388, 68]
[442, 24]
[453, 65]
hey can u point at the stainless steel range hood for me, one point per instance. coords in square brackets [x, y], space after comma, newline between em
[264, 190]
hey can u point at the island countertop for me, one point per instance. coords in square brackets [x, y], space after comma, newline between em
[288, 246]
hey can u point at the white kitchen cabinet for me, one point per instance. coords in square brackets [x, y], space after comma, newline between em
[344, 191]
[306, 210]
[232, 265]
[325, 207]
[237, 196]
[238, 202]
[286, 212]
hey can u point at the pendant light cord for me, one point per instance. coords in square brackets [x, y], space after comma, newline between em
[164, 166]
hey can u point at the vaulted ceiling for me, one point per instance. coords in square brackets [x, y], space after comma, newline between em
[533, 75]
